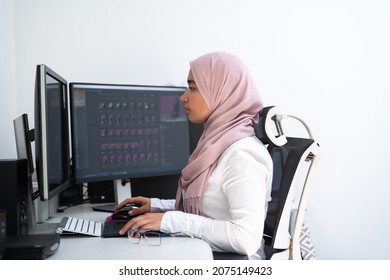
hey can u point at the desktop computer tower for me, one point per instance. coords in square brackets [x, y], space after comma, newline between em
[14, 194]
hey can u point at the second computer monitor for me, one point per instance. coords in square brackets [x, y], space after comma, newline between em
[127, 131]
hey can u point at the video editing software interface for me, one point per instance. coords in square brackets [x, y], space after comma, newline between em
[126, 131]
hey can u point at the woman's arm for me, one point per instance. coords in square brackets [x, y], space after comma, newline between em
[234, 204]
[162, 205]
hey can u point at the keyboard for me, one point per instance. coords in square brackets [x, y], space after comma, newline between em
[80, 226]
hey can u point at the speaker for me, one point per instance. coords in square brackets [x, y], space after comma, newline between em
[14, 194]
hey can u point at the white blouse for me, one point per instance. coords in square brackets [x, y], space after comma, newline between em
[234, 203]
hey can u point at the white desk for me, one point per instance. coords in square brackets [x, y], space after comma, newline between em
[79, 247]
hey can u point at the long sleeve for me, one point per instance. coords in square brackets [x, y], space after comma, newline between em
[162, 205]
[235, 201]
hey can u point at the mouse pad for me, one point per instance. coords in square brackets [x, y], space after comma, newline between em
[111, 228]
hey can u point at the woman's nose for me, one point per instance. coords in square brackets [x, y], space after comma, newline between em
[183, 97]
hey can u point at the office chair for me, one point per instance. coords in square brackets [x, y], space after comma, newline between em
[294, 160]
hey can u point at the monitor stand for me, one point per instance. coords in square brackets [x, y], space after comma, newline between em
[122, 190]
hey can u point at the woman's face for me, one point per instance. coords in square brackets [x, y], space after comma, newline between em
[194, 104]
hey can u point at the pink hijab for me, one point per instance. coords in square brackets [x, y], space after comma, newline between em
[235, 104]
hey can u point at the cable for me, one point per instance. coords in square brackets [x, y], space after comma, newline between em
[280, 117]
[125, 181]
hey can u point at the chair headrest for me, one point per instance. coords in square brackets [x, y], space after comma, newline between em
[264, 129]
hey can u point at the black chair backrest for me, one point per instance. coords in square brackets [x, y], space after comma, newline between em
[285, 160]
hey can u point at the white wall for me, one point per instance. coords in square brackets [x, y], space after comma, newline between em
[325, 61]
[7, 80]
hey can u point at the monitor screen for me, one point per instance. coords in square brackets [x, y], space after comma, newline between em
[127, 131]
[52, 149]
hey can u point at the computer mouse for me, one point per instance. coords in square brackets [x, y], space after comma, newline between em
[123, 213]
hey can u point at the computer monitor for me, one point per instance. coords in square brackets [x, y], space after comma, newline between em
[121, 132]
[52, 141]
[23, 138]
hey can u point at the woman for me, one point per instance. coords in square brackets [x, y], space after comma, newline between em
[224, 190]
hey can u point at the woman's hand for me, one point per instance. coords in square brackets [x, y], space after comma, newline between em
[148, 221]
[143, 202]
